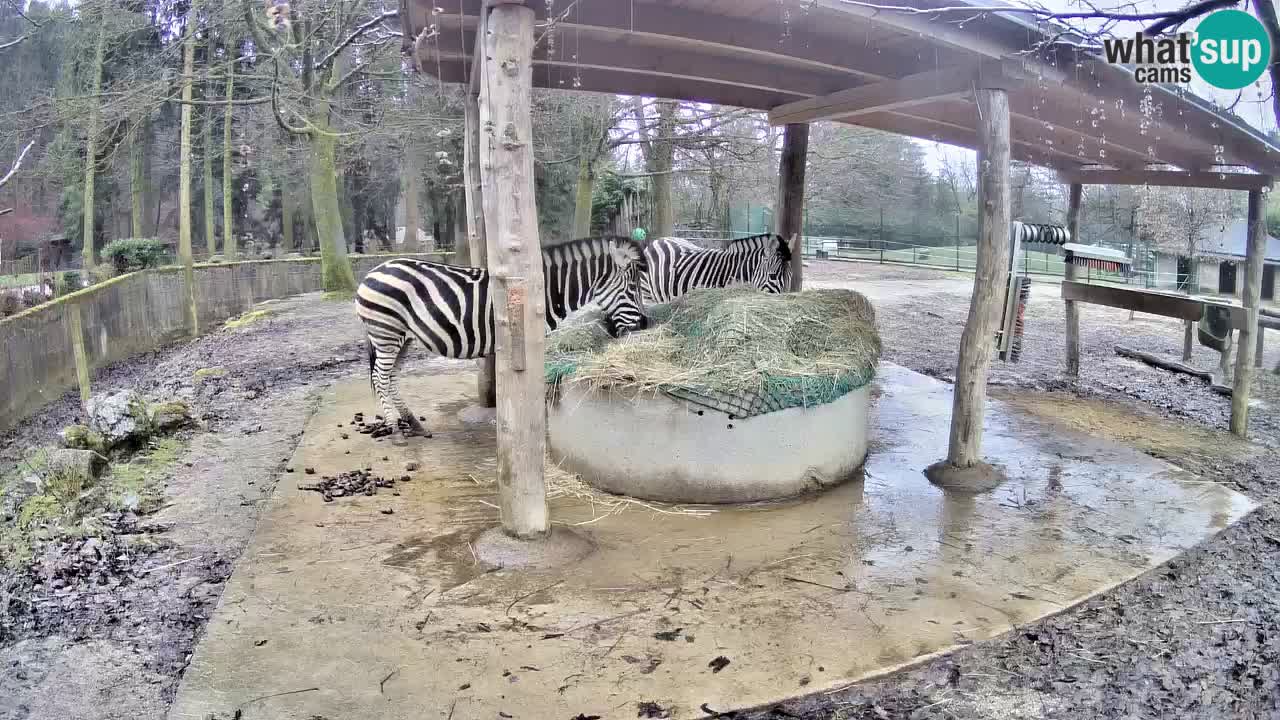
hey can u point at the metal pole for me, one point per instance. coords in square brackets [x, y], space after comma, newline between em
[957, 242]
[882, 235]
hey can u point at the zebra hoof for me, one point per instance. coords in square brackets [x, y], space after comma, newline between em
[410, 427]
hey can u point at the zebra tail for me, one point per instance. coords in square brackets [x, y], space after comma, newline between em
[368, 347]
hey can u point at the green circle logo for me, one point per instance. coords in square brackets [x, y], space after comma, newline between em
[1232, 49]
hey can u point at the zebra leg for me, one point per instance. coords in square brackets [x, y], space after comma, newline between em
[408, 422]
[384, 351]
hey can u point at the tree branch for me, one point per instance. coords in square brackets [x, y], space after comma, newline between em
[16, 164]
[275, 105]
[1267, 13]
[355, 35]
[1166, 18]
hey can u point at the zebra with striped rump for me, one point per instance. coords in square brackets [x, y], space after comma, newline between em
[448, 308]
[676, 266]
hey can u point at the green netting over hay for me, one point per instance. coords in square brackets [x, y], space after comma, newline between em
[737, 350]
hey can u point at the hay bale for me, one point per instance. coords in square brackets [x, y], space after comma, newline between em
[737, 349]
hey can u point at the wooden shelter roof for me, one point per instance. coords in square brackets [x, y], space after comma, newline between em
[913, 74]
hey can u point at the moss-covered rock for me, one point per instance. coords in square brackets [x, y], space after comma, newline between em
[210, 372]
[248, 318]
[82, 437]
[120, 418]
[169, 416]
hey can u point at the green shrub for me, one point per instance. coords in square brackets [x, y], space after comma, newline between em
[131, 254]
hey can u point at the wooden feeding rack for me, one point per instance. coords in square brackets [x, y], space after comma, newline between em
[1097, 257]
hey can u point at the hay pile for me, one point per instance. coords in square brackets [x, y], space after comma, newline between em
[737, 349]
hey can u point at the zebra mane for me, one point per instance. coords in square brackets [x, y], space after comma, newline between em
[751, 243]
[585, 249]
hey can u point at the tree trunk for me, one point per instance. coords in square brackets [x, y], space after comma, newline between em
[210, 227]
[582, 203]
[409, 183]
[486, 384]
[137, 179]
[789, 218]
[516, 269]
[664, 148]
[288, 197]
[335, 266]
[976, 342]
[1188, 339]
[91, 145]
[184, 175]
[228, 228]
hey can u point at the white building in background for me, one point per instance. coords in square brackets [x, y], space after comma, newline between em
[423, 238]
[1218, 268]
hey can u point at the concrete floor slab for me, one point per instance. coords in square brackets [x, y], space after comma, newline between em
[340, 611]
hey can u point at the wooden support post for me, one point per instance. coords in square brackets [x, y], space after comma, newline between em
[789, 218]
[486, 387]
[75, 327]
[1257, 354]
[515, 265]
[1073, 310]
[1252, 297]
[988, 284]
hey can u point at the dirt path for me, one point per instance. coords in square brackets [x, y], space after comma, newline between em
[88, 652]
[1197, 638]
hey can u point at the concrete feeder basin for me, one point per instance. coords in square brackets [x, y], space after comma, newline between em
[652, 446]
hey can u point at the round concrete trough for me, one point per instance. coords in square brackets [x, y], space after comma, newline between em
[656, 447]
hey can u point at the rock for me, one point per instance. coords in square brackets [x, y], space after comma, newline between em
[293, 255]
[77, 467]
[119, 417]
[169, 416]
[81, 437]
[91, 549]
[217, 259]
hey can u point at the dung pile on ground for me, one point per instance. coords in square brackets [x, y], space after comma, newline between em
[739, 350]
[350, 484]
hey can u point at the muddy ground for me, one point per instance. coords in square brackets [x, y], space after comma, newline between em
[1197, 638]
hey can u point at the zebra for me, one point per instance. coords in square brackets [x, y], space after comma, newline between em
[676, 266]
[448, 308]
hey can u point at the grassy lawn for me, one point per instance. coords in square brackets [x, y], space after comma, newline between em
[14, 281]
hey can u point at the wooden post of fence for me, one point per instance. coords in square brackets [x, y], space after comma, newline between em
[1251, 298]
[788, 221]
[976, 344]
[486, 387]
[1069, 272]
[515, 265]
[75, 327]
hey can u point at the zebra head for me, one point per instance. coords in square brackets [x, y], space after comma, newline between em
[773, 274]
[618, 291]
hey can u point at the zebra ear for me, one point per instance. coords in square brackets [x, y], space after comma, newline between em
[624, 253]
[784, 249]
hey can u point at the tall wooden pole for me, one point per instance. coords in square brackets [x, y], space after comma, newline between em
[789, 218]
[515, 266]
[184, 177]
[486, 386]
[1251, 298]
[978, 340]
[1073, 310]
